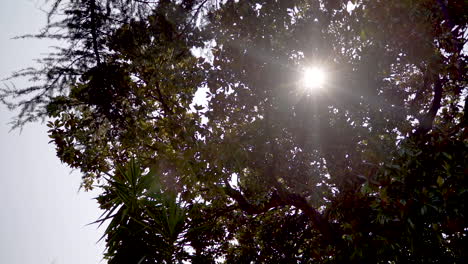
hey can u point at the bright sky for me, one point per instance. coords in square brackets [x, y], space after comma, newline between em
[43, 217]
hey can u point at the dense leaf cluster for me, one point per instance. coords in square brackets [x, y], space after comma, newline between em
[191, 118]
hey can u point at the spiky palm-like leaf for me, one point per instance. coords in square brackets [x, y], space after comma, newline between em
[143, 217]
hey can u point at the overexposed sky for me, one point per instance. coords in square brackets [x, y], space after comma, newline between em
[43, 216]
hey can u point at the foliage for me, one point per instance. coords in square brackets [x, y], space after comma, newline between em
[145, 218]
[229, 159]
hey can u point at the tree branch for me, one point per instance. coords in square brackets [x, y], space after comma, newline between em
[427, 120]
[249, 208]
[283, 198]
[94, 31]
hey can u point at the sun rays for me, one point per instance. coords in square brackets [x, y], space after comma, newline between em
[313, 78]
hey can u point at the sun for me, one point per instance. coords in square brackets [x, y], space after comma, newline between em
[313, 78]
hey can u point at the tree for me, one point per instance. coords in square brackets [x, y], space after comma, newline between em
[371, 169]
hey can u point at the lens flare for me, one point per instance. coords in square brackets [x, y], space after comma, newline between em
[313, 78]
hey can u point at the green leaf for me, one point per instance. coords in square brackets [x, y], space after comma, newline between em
[440, 181]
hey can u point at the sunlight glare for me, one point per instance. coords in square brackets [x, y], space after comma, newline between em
[313, 78]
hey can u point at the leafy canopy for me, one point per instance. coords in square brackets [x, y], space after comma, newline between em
[192, 119]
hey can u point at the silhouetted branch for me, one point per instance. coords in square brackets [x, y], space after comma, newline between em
[427, 120]
[94, 31]
[281, 198]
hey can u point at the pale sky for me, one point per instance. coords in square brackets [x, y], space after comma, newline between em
[43, 215]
